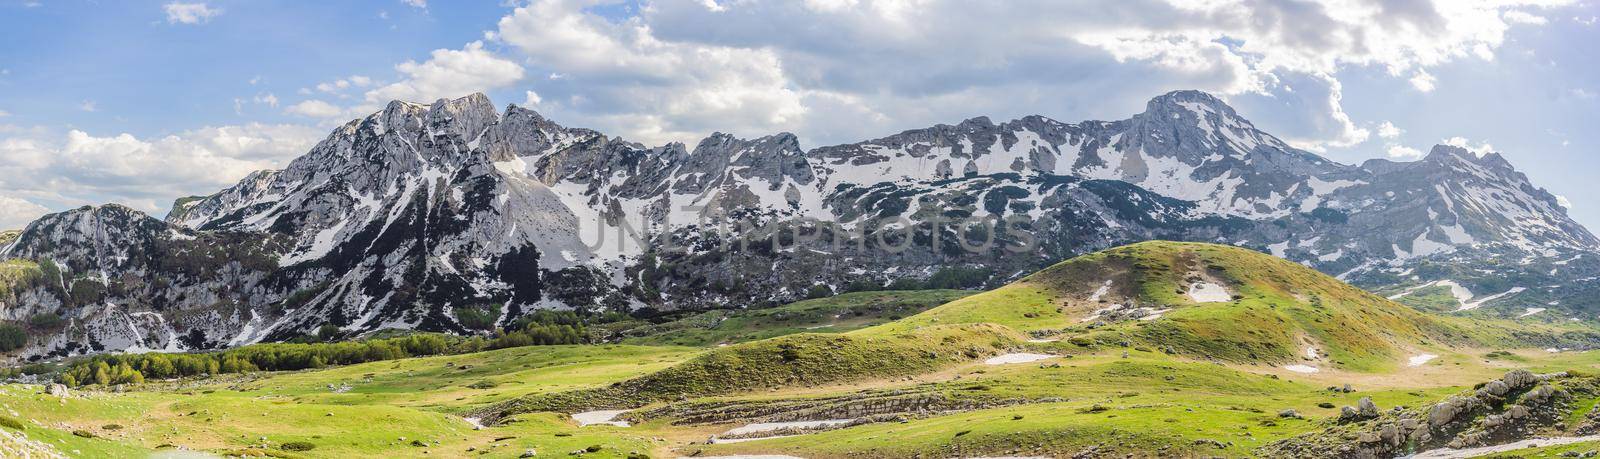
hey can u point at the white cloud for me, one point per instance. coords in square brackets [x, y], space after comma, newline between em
[1564, 202]
[416, 3]
[339, 85]
[1480, 149]
[268, 99]
[678, 65]
[532, 100]
[15, 213]
[1583, 94]
[315, 109]
[89, 106]
[1523, 17]
[77, 168]
[1423, 81]
[1388, 130]
[449, 73]
[1404, 153]
[190, 13]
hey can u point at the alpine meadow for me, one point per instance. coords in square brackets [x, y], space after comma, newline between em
[252, 228]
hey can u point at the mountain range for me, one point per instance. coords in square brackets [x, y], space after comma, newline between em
[410, 216]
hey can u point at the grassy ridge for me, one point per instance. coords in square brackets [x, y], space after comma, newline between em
[836, 314]
[788, 361]
[1148, 404]
[1278, 309]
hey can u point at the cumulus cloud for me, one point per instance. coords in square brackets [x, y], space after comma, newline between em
[1564, 202]
[1388, 130]
[1523, 17]
[1480, 148]
[622, 76]
[449, 73]
[1423, 81]
[190, 13]
[314, 108]
[76, 167]
[680, 68]
[17, 212]
[339, 85]
[1403, 153]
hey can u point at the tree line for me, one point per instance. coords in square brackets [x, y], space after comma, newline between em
[537, 329]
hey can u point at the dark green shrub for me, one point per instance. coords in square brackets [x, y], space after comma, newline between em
[12, 337]
[46, 321]
[477, 318]
[819, 291]
[298, 446]
[959, 278]
[11, 423]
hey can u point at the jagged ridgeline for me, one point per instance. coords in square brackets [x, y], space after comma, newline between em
[447, 216]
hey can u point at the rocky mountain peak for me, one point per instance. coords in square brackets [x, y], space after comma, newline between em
[1445, 153]
[1191, 100]
[467, 117]
[975, 123]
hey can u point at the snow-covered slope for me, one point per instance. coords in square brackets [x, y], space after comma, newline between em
[399, 218]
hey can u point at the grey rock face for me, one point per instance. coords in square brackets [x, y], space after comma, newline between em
[400, 217]
[1468, 420]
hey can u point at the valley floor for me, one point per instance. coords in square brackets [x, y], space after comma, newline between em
[1127, 352]
[1145, 402]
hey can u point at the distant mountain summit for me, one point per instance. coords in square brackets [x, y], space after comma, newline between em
[401, 218]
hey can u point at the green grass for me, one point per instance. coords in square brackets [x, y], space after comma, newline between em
[787, 361]
[1437, 299]
[1551, 452]
[1151, 402]
[415, 398]
[1279, 309]
[1278, 305]
[442, 382]
[836, 314]
[1212, 385]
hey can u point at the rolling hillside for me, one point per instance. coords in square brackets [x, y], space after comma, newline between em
[1193, 300]
[1153, 349]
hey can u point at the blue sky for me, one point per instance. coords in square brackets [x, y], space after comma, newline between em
[140, 102]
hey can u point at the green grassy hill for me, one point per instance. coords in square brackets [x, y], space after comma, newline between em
[835, 314]
[1201, 301]
[1269, 310]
